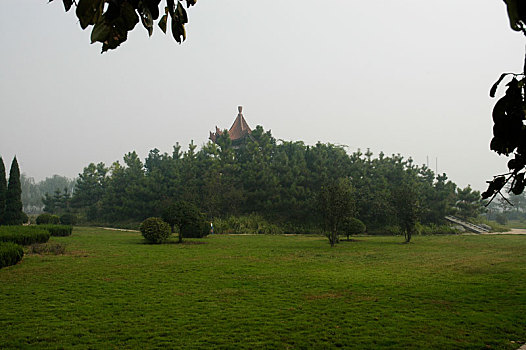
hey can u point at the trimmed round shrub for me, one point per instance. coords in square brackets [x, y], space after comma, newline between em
[353, 226]
[68, 219]
[155, 230]
[46, 218]
[10, 254]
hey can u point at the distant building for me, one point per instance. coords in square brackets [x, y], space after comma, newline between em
[238, 132]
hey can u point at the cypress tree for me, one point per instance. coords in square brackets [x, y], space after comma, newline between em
[3, 190]
[13, 207]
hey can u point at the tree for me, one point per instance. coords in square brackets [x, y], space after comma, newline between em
[187, 218]
[468, 204]
[335, 205]
[112, 20]
[89, 189]
[3, 190]
[13, 208]
[405, 202]
[509, 131]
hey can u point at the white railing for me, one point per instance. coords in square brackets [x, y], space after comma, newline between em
[468, 226]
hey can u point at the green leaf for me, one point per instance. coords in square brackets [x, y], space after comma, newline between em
[89, 12]
[181, 14]
[178, 31]
[496, 85]
[146, 18]
[190, 3]
[153, 6]
[129, 16]
[170, 5]
[67, 4]
[162, 23]
[514, 15]
[100, 32]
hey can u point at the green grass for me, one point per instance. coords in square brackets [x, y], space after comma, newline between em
[112, 291]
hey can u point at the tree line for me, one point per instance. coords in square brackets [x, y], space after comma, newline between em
[280, 181]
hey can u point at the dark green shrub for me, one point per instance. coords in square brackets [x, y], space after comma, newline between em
[10, 254]
[252, 224]
[196, 228]
[46, 218]
[155, 230]
[58, 230]
[24, 235]
[187, 217]
[68, 219]
[353, 226]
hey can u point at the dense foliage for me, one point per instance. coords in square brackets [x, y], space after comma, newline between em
[58, 230]
[46, 218]
[13, 214]
[10, 254]
[509, 130]
[279, 181]
[112, 20]
[352, 226]
[335, 205]
[68, 219]
[3, 190]
[24, 235]
[250, 224]
[155, 230]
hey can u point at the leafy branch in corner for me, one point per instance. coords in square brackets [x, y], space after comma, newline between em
[113, 19]
[509, 131]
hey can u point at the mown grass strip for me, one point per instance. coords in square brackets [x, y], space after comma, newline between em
[111, 290]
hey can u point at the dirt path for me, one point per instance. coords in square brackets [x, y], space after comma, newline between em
[514, 231]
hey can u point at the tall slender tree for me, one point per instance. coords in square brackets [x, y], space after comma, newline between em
[3, 190]
[13, 207]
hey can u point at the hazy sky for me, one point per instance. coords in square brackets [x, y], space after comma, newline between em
[407, 76]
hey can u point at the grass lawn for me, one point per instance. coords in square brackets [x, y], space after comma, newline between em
[110, 290]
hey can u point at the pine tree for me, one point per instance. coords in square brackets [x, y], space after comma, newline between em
[3, 190]
[13, 207]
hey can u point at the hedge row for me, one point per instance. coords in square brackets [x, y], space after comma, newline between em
[65, 219]
[58, 230]
[24, 235]
[10, 254]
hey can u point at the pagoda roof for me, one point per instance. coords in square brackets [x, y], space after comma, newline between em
[239, 128]
[238, 131]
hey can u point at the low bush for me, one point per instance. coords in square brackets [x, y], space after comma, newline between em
[24, 235]
[198, 228]
[10, 254]
[47, 248]
[495, 227]
[352, 226]
[68, 219]
[252, 224]
[187, 217]
[46, 218]
[58, 230]
[155, 230]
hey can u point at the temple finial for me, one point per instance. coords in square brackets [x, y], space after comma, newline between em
[240, 109]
